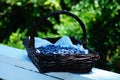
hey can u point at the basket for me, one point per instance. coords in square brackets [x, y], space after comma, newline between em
[56, 62]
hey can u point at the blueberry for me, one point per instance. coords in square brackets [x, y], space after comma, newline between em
[56, 49]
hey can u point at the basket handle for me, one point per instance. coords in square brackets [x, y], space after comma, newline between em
[42, 19]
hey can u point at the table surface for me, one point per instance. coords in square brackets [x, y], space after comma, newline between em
[15, 65]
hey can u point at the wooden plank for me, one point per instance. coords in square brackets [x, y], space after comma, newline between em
[68, 76]
[14, 52]
[11, 72]
[13, 69]
[18, 63]
[99, 74]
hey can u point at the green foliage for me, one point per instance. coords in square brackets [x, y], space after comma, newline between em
[104, 32]
[48, 34]
[15, 39]
[115, 59]
[67, 26]
[53, 4]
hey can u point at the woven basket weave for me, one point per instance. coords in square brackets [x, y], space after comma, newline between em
[57, 62]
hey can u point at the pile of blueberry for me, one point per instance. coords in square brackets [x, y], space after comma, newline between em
[57, 49]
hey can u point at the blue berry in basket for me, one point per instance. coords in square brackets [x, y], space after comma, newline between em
[56, 49]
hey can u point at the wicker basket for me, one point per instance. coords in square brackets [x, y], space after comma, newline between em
[56, 62]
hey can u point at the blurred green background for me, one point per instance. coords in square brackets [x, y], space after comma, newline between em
[101, 17]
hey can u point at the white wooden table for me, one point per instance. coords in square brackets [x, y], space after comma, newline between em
[15, 65]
